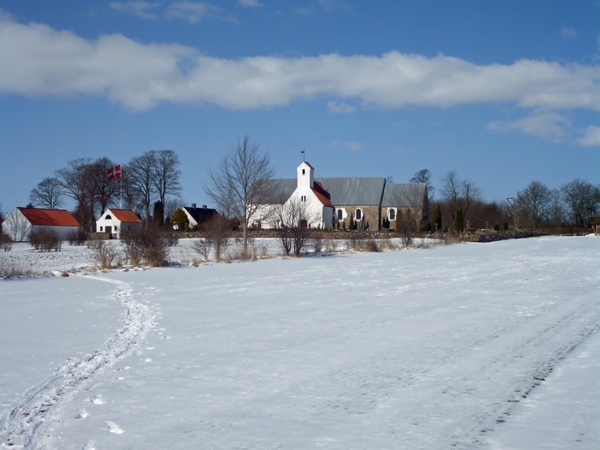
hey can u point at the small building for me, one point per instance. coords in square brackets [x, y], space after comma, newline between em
[595, 224]
[197, 216]
[21, 222]
[115, 222]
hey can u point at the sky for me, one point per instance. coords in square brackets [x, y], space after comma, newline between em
[502, 92]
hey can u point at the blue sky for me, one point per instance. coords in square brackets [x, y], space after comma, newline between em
[503, 92]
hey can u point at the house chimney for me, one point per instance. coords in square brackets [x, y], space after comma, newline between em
[204, 206]
[194, 205]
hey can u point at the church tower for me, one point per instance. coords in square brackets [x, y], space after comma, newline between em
[305, 175]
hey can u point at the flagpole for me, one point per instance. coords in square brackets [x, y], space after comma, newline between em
[121, 189]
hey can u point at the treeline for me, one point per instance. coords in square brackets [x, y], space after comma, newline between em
[150, 184]
[147, 184]
[536, 206]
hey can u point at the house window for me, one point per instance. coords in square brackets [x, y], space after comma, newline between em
[303, 198]
[340, 214]
[359, 214]
[101, 228]
[303, 171]
[108, 217]
[392, 214]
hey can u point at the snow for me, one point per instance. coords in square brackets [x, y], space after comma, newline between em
[463, 346]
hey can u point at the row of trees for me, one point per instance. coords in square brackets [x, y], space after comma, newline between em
[242, 182]
[147, 184]
[461, 204]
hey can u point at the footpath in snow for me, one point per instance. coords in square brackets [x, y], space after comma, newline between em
[464, 346]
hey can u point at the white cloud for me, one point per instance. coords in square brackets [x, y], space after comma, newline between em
[350, 146]
[140, 8]
[591, 137]
[140, 76]
[569, 33]
[547, 125]
[340, 107]
[250, 3]
[191, 12]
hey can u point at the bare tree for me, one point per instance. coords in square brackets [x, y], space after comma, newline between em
[534, 203]
[104, 189]
[165, 176]
[75, 180]
[292, 219]
[140, 175]
[459, 195]
[47, 194]
[241, 184]
[582, 199]
[424, 176]
[557, 210]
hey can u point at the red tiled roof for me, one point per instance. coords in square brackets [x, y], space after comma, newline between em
[308, 164]
[49, 217]
[126, 215]
[321, 194]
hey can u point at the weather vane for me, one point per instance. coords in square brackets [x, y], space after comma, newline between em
[303, 155]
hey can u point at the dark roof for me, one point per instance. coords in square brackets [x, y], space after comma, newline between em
[201, 214]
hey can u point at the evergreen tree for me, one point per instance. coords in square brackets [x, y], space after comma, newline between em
[437, 218]
[158, 213]
[460, 221]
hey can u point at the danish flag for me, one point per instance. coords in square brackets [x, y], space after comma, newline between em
[115, 172]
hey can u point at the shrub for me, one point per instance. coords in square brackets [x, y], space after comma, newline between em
[317, 241]
[202, 247]
[217, 233]
[360, 241]
[148, 246]
[78, 237]
[105, 253]
[45, 239]
[5, 242]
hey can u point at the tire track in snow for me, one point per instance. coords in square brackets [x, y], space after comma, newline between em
[35, 409]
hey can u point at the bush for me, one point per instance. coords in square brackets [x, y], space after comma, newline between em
[105, 253]
[361, 241]
[78, 237]
[5, 242]
[149, 247]
[317, 241]
[45, 239]
[217, 234]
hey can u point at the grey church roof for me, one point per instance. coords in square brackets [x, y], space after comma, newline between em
[404, 195]
[282, 189]
[358, 191]
[354, 191]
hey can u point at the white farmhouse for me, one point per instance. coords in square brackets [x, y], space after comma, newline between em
[21, 222]
[114, 222]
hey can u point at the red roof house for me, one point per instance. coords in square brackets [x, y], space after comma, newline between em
[21, 222]
[114, 222]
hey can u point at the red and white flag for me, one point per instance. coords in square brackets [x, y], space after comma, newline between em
[115, 172]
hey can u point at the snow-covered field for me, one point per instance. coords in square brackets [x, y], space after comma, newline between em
[464, 346]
